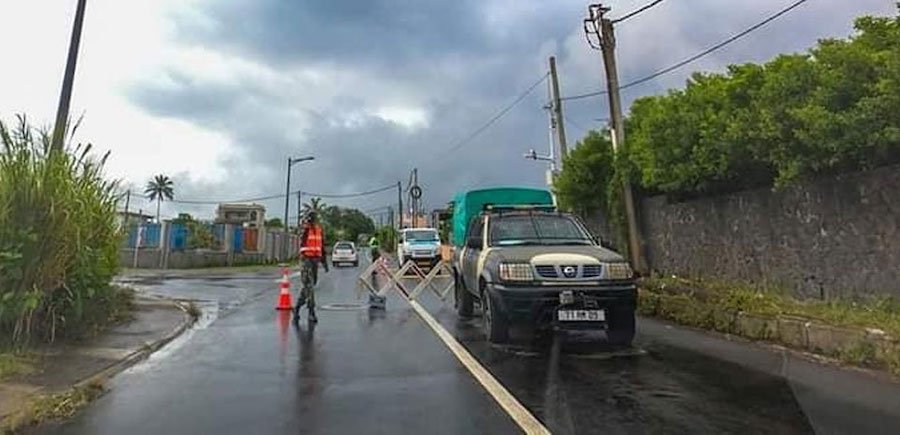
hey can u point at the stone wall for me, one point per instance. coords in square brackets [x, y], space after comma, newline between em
[831, 237]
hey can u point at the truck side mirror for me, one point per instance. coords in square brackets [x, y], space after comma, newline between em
[473, 243]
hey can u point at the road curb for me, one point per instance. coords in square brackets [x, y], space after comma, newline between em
[101, 377]
[858, 348]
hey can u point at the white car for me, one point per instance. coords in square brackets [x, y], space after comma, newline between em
[344, 253]
[423, 245]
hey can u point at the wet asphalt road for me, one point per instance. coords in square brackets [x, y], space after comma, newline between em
[245, 369]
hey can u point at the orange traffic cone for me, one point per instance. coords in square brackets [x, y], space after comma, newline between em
[284, 299]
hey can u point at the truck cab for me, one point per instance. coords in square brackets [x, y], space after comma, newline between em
[531, 265]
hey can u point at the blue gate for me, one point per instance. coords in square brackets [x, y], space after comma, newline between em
[179, 237]
[237, 242]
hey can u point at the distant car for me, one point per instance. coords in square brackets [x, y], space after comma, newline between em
[344, 253]
[422, 245]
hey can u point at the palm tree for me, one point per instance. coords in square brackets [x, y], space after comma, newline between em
[314, 205]
[159, 189]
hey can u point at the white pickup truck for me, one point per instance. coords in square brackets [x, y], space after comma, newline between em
[423, 245]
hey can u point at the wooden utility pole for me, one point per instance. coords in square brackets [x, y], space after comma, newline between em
[558, 126]
[602, 28]
[65, 95]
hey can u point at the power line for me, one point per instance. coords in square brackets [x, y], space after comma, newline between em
[637, 11]
[714, 47]
[459, 144]
[351, 195]
[580, 96]
[695, 57]
[279, 196]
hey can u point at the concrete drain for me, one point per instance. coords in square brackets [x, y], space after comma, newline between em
[344, 307]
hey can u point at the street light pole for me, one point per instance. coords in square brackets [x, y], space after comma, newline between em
[65, 96]
[287, 192]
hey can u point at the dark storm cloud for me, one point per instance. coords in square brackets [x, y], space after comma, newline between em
[459, 61]
[284, 31]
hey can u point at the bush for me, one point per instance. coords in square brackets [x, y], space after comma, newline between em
[835, 109]
[58, 237]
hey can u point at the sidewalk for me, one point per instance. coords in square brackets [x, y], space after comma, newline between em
[60, 368]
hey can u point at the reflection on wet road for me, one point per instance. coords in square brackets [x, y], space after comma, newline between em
[249, 370]
[576, 384]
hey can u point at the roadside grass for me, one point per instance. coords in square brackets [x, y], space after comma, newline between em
[882, 313]
[15, 364]
[118, 307]
[59, 406]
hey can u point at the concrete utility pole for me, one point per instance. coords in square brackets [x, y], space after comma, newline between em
[414, 201]
[399, 206]
[299, 206]
[602, 28]
[65, 95]
[558, 124]
[127, 203]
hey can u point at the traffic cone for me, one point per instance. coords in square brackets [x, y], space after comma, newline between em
[284, 299]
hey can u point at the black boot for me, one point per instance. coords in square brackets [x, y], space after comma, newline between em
[312, 315]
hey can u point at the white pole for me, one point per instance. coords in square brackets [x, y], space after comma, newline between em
[137, 244]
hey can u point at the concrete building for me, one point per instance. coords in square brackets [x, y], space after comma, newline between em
[247, 215]
[134, 218]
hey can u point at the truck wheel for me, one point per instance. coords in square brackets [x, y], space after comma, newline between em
[462, 298]
[495, 326]
[621, 327]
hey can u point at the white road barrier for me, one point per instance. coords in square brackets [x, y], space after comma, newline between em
[439, 279]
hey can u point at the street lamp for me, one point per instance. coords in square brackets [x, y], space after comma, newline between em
[287, 190]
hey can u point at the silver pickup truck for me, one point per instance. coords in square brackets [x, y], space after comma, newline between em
[542, 269]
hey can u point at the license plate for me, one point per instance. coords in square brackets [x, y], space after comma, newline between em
[581, 315]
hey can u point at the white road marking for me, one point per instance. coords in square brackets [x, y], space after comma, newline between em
[507, 401]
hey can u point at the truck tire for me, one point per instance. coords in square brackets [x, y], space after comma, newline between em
[496, 328]
[621, 327]
[462, 298]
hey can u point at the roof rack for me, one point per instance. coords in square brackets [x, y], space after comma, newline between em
[518, 207]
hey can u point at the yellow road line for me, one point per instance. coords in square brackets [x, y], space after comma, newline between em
[507, 401]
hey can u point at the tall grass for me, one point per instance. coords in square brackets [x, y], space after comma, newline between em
[58, 237]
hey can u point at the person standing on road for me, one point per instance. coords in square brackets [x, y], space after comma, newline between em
[312, 253]
[373, 248]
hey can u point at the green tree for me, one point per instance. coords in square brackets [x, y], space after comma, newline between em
[274, 223]
[345, 223]
[159, 189]
[834, 109]
[581, 185]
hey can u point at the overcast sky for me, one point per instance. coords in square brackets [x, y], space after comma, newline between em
[217, 94]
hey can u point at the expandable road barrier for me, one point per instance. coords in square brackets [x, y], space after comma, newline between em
[394, 279]
[284, 298]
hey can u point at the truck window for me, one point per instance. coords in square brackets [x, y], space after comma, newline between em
[475, 228]
[536, 229]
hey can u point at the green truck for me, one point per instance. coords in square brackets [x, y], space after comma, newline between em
[528, 265]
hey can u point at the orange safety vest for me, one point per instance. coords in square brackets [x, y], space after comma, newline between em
[313, 247]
